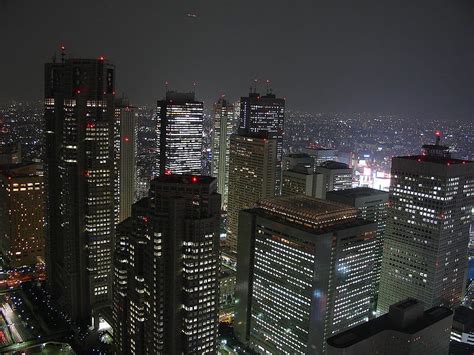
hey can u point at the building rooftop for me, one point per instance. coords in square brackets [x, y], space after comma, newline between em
[10, 148]
[298, 155]
[358, 192]
[184, 179]
[319, 148]
[180, 96]
[331, 164]
[309, 211]
[406, 317]
[464, 318]
[19, 169]
[435, 159]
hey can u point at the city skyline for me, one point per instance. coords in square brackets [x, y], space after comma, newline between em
[185, 177]
[370, 57]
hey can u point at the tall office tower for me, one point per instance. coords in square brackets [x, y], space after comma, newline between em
[21, 214]
[371, 205]
[125, 135]
[305, 271]
[425, 250]
[337, 176]
[265, 114]
[224, 124]
[10, 154]
[179, 127]
[294, 160]
[302, 181]
[321, 155]
[166, 293]
[79, 165]
[406, 329]
[252, 165]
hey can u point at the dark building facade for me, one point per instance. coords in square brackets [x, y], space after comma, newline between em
[407, 329]
[166, 269]
[79, 177]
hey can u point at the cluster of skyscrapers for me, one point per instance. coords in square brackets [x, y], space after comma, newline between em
[315, 258]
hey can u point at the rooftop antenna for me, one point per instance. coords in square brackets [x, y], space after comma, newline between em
[269, 88]
[438, 137]
[63, 53]
[166, 87]
[255, 81]
[194, 87]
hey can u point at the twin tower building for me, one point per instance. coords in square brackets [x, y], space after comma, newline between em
[307, 268]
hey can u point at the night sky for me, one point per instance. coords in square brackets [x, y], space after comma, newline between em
[413, 57]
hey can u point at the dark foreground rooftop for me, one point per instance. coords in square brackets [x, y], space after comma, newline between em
[405, 317]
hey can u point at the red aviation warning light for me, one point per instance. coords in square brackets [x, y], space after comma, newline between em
[168, 172]
[194, 179]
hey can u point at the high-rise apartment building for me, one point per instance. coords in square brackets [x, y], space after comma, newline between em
[252, 165]
[305, 271]
[337, 176]
[166, 270]
[407, 329]
[125, 144]
[179, 127]
[224, 125]
[372, 206]
[79, 176]
[21, 214]
[265, 113]
[425, 250]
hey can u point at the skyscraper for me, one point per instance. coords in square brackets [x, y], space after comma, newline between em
[251, 177]
[304, 272]
[224, 124]
[372, 206]
[125, 135]
[294, 160]
[321, 155]
[302, 181]
[179, 129]
[79, 166]
[21, 214]
[425, 251]
[265, 114]
[336, 176]
[406, 329]
[166, 270]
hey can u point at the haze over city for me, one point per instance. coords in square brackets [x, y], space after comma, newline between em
[341, 56]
